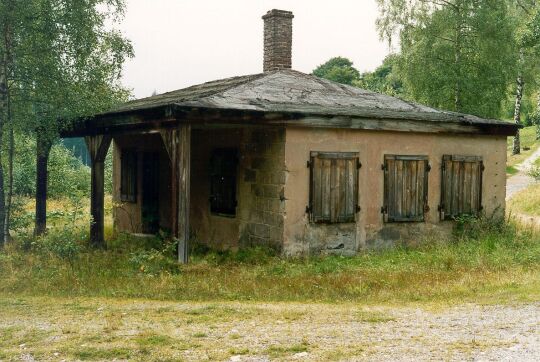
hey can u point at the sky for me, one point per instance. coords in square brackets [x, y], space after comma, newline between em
[179, 43]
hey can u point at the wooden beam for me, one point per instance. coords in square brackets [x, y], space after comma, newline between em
[97, 147]
[184, 172]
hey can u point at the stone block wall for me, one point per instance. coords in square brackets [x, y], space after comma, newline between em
[263, 179]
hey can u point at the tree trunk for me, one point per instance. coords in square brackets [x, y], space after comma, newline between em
[3, 113]
[7, 61]
[537, 117]
[11, 151]
[516, 147]
[42, 157]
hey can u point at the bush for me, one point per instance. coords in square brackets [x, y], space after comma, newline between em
[156, 260]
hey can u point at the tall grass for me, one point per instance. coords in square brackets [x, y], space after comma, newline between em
[484, 262]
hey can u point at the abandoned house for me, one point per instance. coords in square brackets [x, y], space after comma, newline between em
[288, 160]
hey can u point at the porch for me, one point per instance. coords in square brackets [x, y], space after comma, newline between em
[222, 186]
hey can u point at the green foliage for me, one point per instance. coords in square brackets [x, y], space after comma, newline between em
[534, 172]
[64, 244]
[384, 79]
[67, 70]
[339, 70]
[67, 174]
[156, 260]
[447, 52]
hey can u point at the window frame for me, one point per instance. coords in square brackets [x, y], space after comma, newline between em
[127, 155]
[462, 160]
[386, 209]
[319, 218]
[232, 211]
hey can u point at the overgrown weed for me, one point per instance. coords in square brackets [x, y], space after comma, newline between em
[484, 260]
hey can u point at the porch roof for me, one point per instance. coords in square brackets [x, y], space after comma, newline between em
[284, 97]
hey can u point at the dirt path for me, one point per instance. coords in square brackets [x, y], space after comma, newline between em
[116, 329]
[521, 180]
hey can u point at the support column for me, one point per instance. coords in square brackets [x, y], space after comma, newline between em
[178, 145]
[97, 147]
[184, 175]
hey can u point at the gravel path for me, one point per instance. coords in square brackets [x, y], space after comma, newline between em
[116, 329]
[473, 333]
[521, 180]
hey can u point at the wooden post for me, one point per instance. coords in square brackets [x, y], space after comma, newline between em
[184, 172]
[97, 147]
[178, 145]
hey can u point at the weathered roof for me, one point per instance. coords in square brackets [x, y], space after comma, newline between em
[289, 91]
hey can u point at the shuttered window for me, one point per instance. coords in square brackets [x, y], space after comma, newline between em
[405, 188]
[461, 186]
[223, 169]
[128, 174]
[334, 187]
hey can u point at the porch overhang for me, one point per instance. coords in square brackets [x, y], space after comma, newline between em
[170, 116]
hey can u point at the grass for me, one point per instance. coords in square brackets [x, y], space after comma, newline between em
[492, 266]
[528, 139]
[511, 170]
[526, 202]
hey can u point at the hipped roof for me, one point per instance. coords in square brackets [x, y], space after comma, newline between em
[297, 95]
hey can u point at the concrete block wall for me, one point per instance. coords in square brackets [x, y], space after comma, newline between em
[263, 178]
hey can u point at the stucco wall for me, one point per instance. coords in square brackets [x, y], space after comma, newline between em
[216, 231]
[369, 231]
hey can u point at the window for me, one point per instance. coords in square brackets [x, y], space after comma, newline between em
[128, 174]
[461, 186]
[405, 188]
[223, 168]
[334, 187]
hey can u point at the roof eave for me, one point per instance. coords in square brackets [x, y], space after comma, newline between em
[170, 114]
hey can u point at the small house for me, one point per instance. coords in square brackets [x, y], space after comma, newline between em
[291, 161]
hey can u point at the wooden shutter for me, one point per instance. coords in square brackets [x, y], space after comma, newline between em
[334, 187]
[128, 175]
[405, 188]
[461, 186]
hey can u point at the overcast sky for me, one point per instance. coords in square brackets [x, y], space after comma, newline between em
[179, 43]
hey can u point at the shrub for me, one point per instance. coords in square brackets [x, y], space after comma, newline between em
[156, 260]
[534, 172]
[64, 244]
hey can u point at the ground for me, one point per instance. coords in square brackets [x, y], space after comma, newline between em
[105, 329]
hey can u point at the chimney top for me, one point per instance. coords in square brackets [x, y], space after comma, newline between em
[277, 40]
[276, 12]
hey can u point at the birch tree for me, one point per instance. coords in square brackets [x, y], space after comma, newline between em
[66, 63]
[527, 20]
[455, 54]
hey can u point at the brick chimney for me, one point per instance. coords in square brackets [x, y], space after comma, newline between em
[277, 40]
